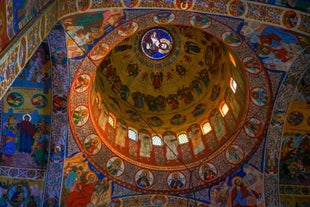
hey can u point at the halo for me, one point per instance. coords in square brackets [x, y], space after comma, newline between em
[92, 173]
[28, 116]
[57, 148]
[236, 178]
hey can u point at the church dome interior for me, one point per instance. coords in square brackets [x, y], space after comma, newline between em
[154, 103]
[169, 96]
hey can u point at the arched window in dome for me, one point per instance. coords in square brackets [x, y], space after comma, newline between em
[183, 138]
[224, 108]
[157, 141]
[206, 128]
[233, 85]
[111, 120]
[132, 134]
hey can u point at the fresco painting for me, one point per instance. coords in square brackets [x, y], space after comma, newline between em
[83, 186]
[83, 33]
[251, 186]
[4, 39]
[25, 134]
[295, 160]
[247, 181]
[20, 192]
[14, 15]
[276, 46]
[26, 120]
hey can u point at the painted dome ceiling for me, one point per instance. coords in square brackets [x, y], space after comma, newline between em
[169, 102]
[171, 93]
[168, 93]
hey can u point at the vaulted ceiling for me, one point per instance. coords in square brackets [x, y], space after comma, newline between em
[141, 94]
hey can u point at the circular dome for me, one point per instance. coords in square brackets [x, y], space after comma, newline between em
[140, 111]
[170, 96]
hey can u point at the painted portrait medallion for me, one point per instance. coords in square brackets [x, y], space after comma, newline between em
[156, 43]
[295, 118]
[60, 103]
[176, 180]
[17, 194]
[237, 8]
[15, 99]
[92, 144]
[252, 65]
[99, 51]
[80, 115]
[81, 83]
[115, 166]
[39, 101]
[234, 154]
[259, 96]
[144, 178]
[200, 21]
[127, 28]
[290, 19]
[164, 17]
[253, 127]
[231, 39]
[207, 172]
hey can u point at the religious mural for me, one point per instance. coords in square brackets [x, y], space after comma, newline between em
[14, 15]
[295, 160]
[25, 133]
[20, 192]
[246, 182]
[83, 186]
[84, 32]
[277, 47]
[95, 176]
[26, 114]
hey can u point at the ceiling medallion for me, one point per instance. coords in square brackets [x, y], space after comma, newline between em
[156, 43]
